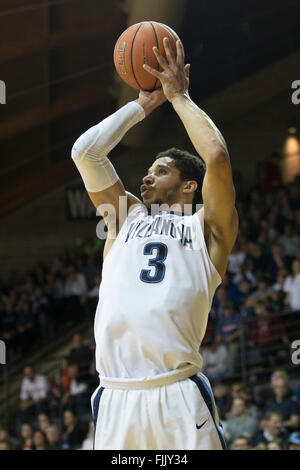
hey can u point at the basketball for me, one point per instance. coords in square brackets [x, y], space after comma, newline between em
[134, 48]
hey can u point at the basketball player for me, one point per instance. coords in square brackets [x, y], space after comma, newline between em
[159, 275]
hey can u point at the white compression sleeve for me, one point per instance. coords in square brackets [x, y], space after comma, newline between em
[90, 150]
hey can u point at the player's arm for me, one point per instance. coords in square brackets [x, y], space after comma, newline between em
[90, 151]
[220, 216]
[218, 193]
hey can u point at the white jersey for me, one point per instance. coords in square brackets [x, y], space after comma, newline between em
[155, 296]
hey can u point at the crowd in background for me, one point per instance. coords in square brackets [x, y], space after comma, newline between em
[34, 307]
[259, 294]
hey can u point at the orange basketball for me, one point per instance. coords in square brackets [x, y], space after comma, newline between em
[134, 48]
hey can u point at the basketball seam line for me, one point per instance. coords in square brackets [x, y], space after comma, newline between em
[131, 54]
[158, 49]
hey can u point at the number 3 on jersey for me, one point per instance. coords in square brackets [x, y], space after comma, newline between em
[157, 262]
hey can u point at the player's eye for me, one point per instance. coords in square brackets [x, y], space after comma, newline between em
[161, 171]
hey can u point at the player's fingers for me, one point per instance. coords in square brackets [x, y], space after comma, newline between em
[160, 59]
[180, 53]
[169, 53]
[151, 70]
[187, 69]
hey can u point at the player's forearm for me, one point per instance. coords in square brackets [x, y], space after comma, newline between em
[90, 150]
[102, 138]
[204, 135]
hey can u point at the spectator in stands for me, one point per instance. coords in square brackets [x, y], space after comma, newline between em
[289, 240]
[245, 289]
[297, 394]
[265, 393]
[7, 438]
[53, 438]
[273, 429]
[276, 444]
[39, 440]
[74, 287]
[73, 434]
[246, 272]
[219, 299]
[90, 300]
[80, 354]
[294, 441]
[75, 284]
[43, 421]
[241, 443]
[257, 259]
[77, 399]
[229, 330]
[41, 311]
[4, 445]
[61, 383]
[262, 292]
[236, 259]
[278, 286]
[278, 260]
[240, 423]
[223, 399]
[216, 361]
[276, 302]
[292, 286]
[88, 443]
[267, 331]
[283, 402]
[231, 288]
[90, 270]
[26, 436]
[239, 390]
[33, 396]
[8, 328]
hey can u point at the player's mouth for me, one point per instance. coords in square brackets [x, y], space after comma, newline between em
[144, 190]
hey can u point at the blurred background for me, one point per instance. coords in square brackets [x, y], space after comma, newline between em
[56, 59]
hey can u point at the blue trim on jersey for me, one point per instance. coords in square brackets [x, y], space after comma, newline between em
[96, 403]
[209, 400]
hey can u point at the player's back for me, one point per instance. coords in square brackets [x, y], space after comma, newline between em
[156, 292]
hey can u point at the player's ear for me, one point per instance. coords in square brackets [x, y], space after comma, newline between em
[190, 186]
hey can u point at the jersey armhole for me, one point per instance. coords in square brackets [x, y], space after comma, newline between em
[199, 216]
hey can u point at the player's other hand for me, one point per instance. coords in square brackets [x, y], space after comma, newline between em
[174, 76]
[151, 99]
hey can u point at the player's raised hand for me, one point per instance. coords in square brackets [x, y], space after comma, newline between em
[151, 99]
[174, 76]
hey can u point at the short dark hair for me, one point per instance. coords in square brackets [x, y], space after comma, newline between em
[191, 167]
[246, 438]
[269, 415]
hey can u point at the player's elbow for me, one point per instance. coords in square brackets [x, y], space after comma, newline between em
[77, 152]
[219, 158]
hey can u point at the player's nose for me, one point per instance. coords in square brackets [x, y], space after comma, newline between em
[148, 179]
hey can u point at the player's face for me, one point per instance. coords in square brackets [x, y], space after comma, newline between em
[162, 184]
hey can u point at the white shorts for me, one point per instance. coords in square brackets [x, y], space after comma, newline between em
[177, 416]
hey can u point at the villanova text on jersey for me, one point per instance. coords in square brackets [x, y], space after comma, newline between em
[162, 227]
